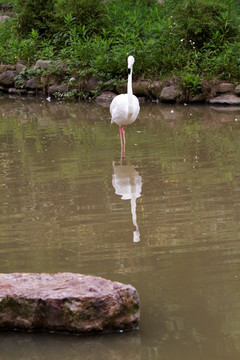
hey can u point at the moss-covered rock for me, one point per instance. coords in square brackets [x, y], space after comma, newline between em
[67, 302]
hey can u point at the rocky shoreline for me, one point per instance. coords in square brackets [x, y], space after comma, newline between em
[51, 80]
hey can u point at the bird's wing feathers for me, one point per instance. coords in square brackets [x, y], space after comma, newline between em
[118, 109]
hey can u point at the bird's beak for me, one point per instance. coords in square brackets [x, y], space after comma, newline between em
[129, 71]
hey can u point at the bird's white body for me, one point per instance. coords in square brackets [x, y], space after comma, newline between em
[125, 107]
[124, 111]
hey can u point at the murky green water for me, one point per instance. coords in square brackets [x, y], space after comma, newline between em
[165, 218]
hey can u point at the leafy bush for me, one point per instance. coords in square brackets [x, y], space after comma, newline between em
[88, 13]
[199, 22]
[33, 14]
[191, 84]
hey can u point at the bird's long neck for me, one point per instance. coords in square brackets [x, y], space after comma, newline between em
[130, 91]
[129, 86]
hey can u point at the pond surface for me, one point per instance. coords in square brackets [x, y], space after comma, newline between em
[165, 218]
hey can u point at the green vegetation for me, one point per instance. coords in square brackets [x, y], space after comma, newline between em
[193, 39]
[6, 2]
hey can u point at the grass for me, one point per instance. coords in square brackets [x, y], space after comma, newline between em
[7, 2]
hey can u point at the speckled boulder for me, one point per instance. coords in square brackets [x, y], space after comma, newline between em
[225, 87]
[42, 64]
[32, 83]
[237, 90]
[171, 93]
[228, 99]
[105, 98]
[7, 77]
[67, 302]
[57, 89]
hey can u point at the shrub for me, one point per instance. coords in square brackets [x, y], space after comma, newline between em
[198, 22]
[88, 13]
[33, 14]
[191, 84]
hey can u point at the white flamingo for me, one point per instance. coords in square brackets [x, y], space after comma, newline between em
[125, 107]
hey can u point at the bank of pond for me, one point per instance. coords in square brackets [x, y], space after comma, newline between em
[52, 80]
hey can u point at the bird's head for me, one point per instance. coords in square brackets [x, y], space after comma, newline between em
[130, 63]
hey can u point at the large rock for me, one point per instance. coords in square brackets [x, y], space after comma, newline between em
[33, 83]
[17, 91]
[7, 77]
[61, 89]
[66, 302]
[171, 93]
[3, 68]
[237, 90]
[140, 88]
[228, 99]
[42, 64]
[225, 87]
[20, 66]
[156, 89]
[105, 98]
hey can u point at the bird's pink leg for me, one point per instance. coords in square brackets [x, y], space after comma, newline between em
[122, 137]
[120, 133]
[123, 133]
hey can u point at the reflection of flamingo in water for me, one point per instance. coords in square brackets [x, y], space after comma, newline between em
[128, 183]
[125, 107]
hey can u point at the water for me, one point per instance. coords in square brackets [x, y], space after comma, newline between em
[164, 217]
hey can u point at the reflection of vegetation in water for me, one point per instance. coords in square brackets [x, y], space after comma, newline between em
[190, 141]
[187, 146]
[31, 139]
[211, 144]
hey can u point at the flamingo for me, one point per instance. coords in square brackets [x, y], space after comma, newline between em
[125, 107]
